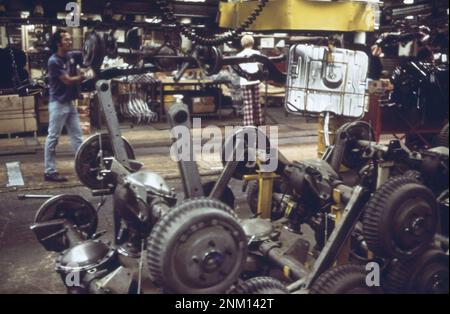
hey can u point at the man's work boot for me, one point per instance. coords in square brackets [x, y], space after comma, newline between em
[54, 177]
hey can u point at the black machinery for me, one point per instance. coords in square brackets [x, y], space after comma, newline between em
[387, 212]
[419, 98]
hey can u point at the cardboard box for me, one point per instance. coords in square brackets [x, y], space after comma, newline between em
[43, 116]
[18, 125]
[17, 114]
[168, 101]
[203, 104]
[10, 103]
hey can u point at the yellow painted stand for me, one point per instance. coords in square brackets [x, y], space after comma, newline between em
[337, 210]
[343, 16]
[265, 183]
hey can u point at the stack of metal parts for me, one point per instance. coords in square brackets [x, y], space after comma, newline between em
[134, 101]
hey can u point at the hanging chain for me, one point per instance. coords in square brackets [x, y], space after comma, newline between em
[190, 33]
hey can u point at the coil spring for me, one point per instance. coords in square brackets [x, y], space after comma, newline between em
[169, 16]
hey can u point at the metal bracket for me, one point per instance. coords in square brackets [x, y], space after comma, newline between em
[178, 115]
[337, 239]
[383, 172]
[112, 123]
[115, 167]
[227, 173]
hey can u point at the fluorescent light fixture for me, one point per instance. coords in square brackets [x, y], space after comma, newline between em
[153, 20]
[408, 1]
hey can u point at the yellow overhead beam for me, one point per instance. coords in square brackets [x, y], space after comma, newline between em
[301, 15]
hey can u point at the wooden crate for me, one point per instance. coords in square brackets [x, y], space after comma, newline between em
[43, 115]
[42, 110]
[13, 103]
[18, 124]
[17, 114]
[203, 104]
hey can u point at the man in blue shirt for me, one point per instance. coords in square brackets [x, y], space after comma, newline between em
[64, 89]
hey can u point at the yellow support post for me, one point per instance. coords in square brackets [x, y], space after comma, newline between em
[265, 184]
[338, 210]
[287, 272]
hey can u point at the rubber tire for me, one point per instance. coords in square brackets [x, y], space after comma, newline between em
[344, 279]
[381, 207]
[94, 57]
[442, 139]
[401, 274]
[163, 240]
[110, 42]
[260, 285]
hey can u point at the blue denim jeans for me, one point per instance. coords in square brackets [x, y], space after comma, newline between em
[61, 114]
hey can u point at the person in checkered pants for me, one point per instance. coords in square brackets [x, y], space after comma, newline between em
[253, 113]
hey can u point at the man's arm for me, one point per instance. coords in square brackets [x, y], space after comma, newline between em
[56, 69]
[71, 80]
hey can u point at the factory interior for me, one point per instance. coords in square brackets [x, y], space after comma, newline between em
[224, 147]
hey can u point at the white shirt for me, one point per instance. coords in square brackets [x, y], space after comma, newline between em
[251, 67]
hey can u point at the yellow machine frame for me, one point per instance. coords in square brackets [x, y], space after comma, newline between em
[342, 16]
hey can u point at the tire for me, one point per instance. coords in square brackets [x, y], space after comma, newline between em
[260, 285]
[93, 51]
[344, 279]
[428, 273]
[442, 139]
[400, 219]
[197, 247]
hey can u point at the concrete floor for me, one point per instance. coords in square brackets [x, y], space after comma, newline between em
[25, 266]
[151, 145]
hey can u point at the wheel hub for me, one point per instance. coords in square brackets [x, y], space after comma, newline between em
[434, 279]
[418, 226]
[412, 224]
[212, 261]
[207, 254]
[197, 247]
